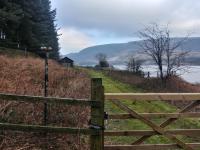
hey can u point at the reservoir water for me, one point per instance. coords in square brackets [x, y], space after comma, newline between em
[190, 74]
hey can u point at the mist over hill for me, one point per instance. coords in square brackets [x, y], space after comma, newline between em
[118, 53]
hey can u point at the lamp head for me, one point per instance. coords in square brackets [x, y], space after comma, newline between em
[47, 49]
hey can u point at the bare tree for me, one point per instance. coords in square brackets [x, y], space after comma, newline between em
[134, 65]
[158, 44]
[102, 59]
[174, 59]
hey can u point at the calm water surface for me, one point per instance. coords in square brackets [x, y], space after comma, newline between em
[192, 74]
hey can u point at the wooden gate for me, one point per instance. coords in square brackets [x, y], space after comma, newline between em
[160, 129]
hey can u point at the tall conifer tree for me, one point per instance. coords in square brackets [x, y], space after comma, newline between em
[28, 24]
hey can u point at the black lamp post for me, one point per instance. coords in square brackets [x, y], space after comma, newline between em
[46, 50]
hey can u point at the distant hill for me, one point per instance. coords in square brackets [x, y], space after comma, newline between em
[118, 53]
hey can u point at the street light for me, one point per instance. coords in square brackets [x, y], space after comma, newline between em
[46, 50]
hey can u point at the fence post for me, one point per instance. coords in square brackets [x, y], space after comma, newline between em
[97, 115]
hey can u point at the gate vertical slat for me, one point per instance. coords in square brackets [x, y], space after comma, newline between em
[97, 114]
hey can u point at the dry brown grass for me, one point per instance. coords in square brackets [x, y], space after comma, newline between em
[25, 76]
[172, 84]
[125, 76]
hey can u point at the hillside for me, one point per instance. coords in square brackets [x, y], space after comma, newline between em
[26, 76]
[119, 53]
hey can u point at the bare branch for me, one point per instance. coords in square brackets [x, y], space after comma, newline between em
[163, 49]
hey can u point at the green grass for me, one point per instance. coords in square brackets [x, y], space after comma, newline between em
[113, 86]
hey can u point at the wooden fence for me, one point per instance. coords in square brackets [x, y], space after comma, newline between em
[97, 114]
[96, 130]
[143, 135]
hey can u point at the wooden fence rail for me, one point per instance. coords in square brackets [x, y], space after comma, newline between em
[186, 132]
[156, 115]
[49, 100]
[49, 129]
[150, 147]
[153, 96]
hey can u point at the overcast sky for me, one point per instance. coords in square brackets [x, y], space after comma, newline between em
[86, 23]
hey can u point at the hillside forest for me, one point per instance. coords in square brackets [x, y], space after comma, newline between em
[28, 25]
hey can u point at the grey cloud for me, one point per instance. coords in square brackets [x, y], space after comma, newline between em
[125, 17]
[88, 22]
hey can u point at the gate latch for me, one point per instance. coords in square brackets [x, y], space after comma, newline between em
[105, 116]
